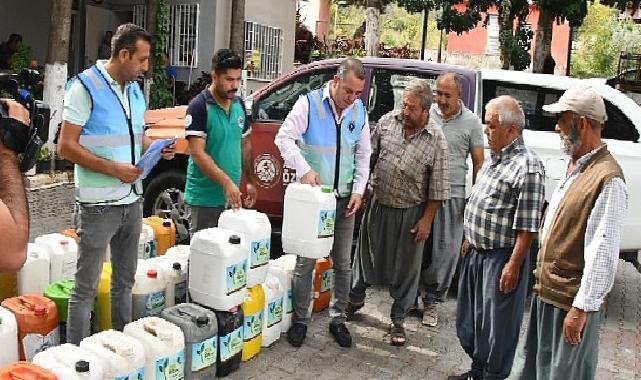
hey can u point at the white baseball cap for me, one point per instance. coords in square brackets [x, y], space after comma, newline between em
[582, 100]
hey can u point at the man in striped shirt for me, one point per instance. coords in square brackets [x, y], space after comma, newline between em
[501, 218]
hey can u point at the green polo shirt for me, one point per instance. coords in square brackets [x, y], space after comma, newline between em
[223, 133]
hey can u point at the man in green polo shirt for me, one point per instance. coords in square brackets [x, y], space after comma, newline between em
[219, 152]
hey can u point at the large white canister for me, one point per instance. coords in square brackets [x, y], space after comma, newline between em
[175, 272]
[200, 328]
[164, 344]
[63, 255]
[70, 362]
[273, 314]
[33, 277]
[309, 216]
[218, 268]
[283, 271]
[8, 337]
[148, 296]
[122, 357]
[180, 251]
[256, 228]
[147, 242]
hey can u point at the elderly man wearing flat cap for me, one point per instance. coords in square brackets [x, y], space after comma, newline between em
[579, 250]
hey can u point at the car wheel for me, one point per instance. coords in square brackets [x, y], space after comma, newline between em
[166, 193]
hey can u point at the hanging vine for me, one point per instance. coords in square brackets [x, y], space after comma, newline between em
[160, 96]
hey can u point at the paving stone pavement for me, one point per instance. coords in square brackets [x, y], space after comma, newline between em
[435, 353]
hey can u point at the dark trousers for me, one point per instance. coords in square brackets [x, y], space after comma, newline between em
[488, 321]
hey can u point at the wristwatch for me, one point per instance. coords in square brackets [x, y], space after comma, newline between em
[13, 134]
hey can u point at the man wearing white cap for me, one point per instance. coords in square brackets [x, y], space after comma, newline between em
[579, 250]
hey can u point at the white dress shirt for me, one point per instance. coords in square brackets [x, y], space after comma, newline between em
[295, 125]
[602, 236]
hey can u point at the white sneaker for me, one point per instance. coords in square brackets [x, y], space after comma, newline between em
[430, 316]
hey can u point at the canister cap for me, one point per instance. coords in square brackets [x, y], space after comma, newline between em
[39, 310]
[326, 190]
[234, 239]
[166, 224]
[64, 242]
[82, 366]
[152, 273]
[177, 266]
[202, 320]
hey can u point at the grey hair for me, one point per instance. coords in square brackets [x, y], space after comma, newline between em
[453, 77]
[421, 88]
[509, 111]
[351, 65]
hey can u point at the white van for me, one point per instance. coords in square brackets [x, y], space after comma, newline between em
[621, 132]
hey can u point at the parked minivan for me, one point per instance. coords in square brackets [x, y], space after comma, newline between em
[384, 83]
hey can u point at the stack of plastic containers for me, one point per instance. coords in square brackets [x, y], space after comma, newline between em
[8, 337]
[200, 329]
[254, 226]
[230, 341]
[164, 233]
[70, 362]
[164, 345]
[63, 255]
[26, 370]
[121, 356]
[273, 310]
[147, 243]
[253, 309]
[37, 322]
[323, 284]
[218, 269]
[148, 294]
[103, 298]
[33, 277]
[60, 293]
[309, 216]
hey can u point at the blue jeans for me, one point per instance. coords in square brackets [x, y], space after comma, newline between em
[99, 226]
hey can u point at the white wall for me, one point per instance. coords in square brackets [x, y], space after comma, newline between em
[280, 14]
[31, 19]
[309, 13]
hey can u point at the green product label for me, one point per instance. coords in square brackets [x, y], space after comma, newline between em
[231, 344]
[275, 314]
[150, 250]
[259, 252]
[138, 374]
[290, 301]
[171, 367]
[236, 277]
[154, 303]
[253, 326]
[203, 354]
[327, 281]
[326, 222]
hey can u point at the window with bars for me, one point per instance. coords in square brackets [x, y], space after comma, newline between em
[182, 40]
[263, 50]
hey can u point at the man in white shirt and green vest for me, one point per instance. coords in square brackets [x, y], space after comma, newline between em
[102, 133]
[579, 251]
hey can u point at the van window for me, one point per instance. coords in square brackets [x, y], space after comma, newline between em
[276, 105]
[617, 127]
[532, 99]
[527, 96]
[386, 90]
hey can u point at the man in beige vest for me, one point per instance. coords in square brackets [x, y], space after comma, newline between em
[579, 250]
